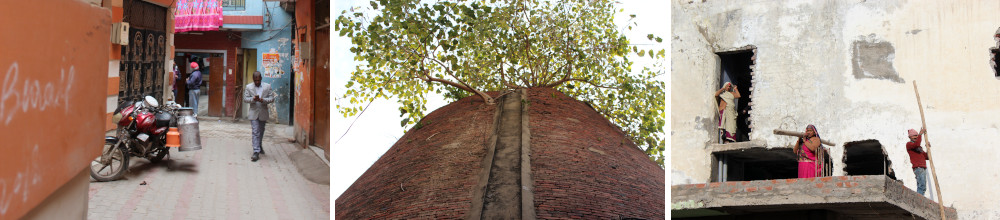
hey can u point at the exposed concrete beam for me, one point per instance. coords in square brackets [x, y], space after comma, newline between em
[841, 194]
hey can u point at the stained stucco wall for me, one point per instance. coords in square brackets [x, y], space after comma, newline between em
[848, 67]
[276, 37]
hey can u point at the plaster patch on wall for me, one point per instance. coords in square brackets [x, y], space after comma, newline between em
[705, 124]
[283, 42]
[678, 177]
[872, 58]
[690, 204]
[978, 214]
[704, 34]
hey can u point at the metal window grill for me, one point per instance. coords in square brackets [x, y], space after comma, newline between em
[233, 5]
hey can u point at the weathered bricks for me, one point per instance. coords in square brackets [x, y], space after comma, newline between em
[582, 166]
[430, 172]
[566, 138]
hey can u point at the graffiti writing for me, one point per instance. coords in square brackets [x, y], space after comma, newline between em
[21, 184]
[31, 94]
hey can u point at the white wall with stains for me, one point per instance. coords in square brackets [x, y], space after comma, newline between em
[848, 68]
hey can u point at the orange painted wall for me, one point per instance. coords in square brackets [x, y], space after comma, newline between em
[52, 97]
[115, 55]
[304, 13]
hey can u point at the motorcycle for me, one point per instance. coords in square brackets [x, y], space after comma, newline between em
[142, 132]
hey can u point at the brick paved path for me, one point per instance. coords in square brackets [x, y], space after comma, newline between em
[216, 182]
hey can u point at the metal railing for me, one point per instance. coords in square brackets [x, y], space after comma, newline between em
[233, 5]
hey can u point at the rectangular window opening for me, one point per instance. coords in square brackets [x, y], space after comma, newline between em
[737, 68]
[754, 164]
[758, 163]
[867, 157]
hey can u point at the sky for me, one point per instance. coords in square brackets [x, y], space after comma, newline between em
[375, 131]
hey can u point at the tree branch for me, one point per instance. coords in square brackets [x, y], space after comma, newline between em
[581, 80]
[460, 84]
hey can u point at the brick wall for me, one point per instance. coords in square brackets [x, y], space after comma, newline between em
[585, 167]
[215, 40]
[430, 172]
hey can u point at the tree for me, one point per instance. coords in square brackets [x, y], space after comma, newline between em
[409, 49]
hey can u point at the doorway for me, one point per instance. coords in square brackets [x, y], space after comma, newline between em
[212, 64]
[321, 95]
[736, 68]
[248, 66]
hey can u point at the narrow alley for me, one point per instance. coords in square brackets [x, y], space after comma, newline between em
[218, 180]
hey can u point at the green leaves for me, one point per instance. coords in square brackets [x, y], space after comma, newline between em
[409, 49]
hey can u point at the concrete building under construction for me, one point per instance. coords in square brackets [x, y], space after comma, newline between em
[849, 68]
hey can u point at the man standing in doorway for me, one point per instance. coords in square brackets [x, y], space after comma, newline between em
[918, 158]
[258, 95]
[193, 86]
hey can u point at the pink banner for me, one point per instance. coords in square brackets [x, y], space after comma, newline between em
[198, 15]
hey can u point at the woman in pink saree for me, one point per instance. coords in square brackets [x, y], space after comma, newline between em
[806, 150]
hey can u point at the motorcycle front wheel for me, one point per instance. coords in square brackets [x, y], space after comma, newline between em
[111, 164]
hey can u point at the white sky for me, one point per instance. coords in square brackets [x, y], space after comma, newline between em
[378, 128]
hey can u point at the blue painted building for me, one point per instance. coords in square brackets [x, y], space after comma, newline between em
[266, 30]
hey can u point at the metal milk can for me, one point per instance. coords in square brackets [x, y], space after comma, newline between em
[188, 126]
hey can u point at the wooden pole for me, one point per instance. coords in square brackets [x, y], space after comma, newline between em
[937, 187]
[800, 134]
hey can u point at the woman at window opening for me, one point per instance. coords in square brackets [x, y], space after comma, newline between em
[726, 97]
[806, 150]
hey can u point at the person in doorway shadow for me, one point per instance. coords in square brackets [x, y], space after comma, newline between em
[257, 95]
[175, 74]
[193, 86]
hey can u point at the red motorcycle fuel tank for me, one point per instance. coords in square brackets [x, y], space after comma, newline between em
[122, 116]
[146, 122]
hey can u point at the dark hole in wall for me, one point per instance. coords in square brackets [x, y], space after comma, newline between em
[736, 69]
[754, 164]
[867, 157]
[995, 61]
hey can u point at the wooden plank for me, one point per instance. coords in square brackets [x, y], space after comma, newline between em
[800, 134]
[929, 160]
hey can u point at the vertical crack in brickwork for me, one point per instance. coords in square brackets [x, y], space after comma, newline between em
[502, 193]
[527, 182]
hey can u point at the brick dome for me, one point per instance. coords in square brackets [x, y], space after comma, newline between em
[581, 166]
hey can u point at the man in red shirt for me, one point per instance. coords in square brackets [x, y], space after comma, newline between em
[918, 158]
